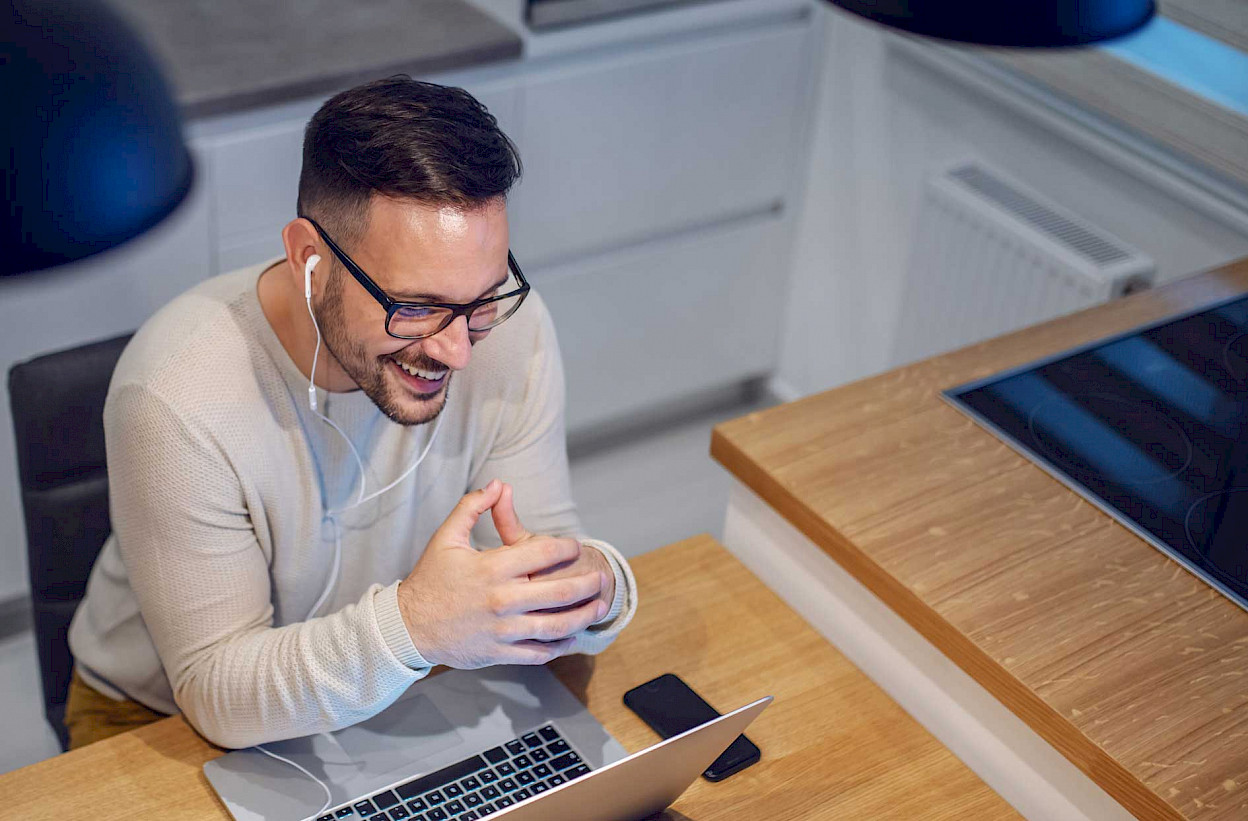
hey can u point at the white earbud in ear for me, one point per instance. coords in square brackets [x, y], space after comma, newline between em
[313, 261]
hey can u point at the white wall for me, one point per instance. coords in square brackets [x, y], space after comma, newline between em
[885, 120]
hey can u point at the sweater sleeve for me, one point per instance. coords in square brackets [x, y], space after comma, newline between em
[531, 455]
[184, 528]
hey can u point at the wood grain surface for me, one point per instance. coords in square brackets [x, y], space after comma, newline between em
[1133, 668]
[833, 744]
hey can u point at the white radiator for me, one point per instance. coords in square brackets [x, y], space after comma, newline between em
[992, 256]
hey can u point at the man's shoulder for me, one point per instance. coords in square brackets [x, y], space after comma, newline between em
[206, 330]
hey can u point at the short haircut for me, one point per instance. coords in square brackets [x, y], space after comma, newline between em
[405, 139]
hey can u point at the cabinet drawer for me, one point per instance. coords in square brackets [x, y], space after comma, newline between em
[657, 324]
[660, 139]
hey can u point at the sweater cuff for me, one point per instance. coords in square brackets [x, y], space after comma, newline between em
[621, 583]
[394, 631]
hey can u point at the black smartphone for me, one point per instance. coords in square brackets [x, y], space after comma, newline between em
[670, 707]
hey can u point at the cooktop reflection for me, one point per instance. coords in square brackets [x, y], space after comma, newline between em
[1151, 426]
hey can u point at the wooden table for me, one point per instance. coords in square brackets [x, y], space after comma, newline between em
[834, 745]
[1135, 670]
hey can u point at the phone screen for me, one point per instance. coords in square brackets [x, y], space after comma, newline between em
[671, 707]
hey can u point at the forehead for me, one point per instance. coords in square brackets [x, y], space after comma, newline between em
[438, 252]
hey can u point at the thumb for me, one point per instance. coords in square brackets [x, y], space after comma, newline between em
[506, 522]
[457, 529]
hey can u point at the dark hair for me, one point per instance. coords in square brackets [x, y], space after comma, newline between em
[401, 138]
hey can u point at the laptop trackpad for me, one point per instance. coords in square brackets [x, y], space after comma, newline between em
[389, 739]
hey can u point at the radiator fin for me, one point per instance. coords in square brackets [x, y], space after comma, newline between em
[1079, 239]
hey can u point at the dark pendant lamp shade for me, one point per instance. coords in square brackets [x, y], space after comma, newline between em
[91, 144]
[1028, 23]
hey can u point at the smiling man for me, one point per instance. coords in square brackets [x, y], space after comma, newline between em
[293, 450]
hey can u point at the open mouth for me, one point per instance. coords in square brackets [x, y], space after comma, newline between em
[421, 381]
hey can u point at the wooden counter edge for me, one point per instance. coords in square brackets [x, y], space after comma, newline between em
[1101, 767]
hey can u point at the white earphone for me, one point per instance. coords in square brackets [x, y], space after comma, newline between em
[360, 499]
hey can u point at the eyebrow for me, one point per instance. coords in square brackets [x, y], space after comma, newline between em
[413, 297]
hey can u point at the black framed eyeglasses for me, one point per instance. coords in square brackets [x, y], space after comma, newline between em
[417, 320]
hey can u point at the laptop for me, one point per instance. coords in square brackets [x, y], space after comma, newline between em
[501, 742]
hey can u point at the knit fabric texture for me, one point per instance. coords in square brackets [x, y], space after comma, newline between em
[220, 480]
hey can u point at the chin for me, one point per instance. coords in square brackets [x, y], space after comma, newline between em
[405, 409]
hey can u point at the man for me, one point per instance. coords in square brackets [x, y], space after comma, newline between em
[288, 446]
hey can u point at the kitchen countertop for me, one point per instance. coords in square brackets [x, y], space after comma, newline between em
[1133, 669]
[224, 56]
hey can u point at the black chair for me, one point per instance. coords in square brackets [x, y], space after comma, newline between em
[58, 415]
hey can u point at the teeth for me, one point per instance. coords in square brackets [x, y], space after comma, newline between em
[432, 376]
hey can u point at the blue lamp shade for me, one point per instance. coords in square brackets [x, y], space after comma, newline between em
[91, 144]
[1028, 23]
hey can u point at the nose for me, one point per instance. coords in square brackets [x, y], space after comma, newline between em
[451, 345]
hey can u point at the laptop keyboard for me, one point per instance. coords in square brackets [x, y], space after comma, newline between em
[476, 787]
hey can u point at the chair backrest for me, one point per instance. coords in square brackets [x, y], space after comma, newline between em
[57, 402]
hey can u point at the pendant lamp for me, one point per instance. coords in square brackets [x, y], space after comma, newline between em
[1028, 23]
[91, 148]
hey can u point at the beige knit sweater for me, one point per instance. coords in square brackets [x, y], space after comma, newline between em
[219, 479]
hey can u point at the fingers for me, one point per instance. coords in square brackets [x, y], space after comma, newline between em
[458, 525]
[506, 522]
[535, 555]
[549, 627]
[537, 652]
[526, 597]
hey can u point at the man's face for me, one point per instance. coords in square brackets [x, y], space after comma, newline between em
[414, 253]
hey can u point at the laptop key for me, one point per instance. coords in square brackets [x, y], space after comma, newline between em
[446, 775]
[557, 747]
[576, 772]
[539, 755]
[329, 817]
[542, 770]
[399, 813]
[520, 795]
[437, 814]
[487, 776]
[555, 780]
[455, 807]
[503, 802]
[495, 755]
[522, 762]
[526, 777]
[473, 799]
[385, 800]
[505, 768]
[435, 798]
[538, 787]
[365, 808]
[491, 792]
[508, 784]
[548, 732]
[345, 812]
[564, 761]
[470, 783]
[514, 747]
[531, 740]
[453, 790]
[468, 816]
[417, 804]
[485, 809]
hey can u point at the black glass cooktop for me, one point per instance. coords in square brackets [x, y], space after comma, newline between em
[1152, 426]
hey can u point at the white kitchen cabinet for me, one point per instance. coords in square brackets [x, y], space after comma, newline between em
[657, 323]
[646, 142]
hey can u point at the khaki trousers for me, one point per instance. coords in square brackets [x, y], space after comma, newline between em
[91, 716]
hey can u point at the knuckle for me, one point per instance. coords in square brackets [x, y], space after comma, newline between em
[495, 602]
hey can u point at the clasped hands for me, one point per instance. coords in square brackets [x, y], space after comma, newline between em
[521, 603]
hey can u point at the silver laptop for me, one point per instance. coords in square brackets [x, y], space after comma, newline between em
[507, 742]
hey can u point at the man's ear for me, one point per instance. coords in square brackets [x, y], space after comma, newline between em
[299, 238]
